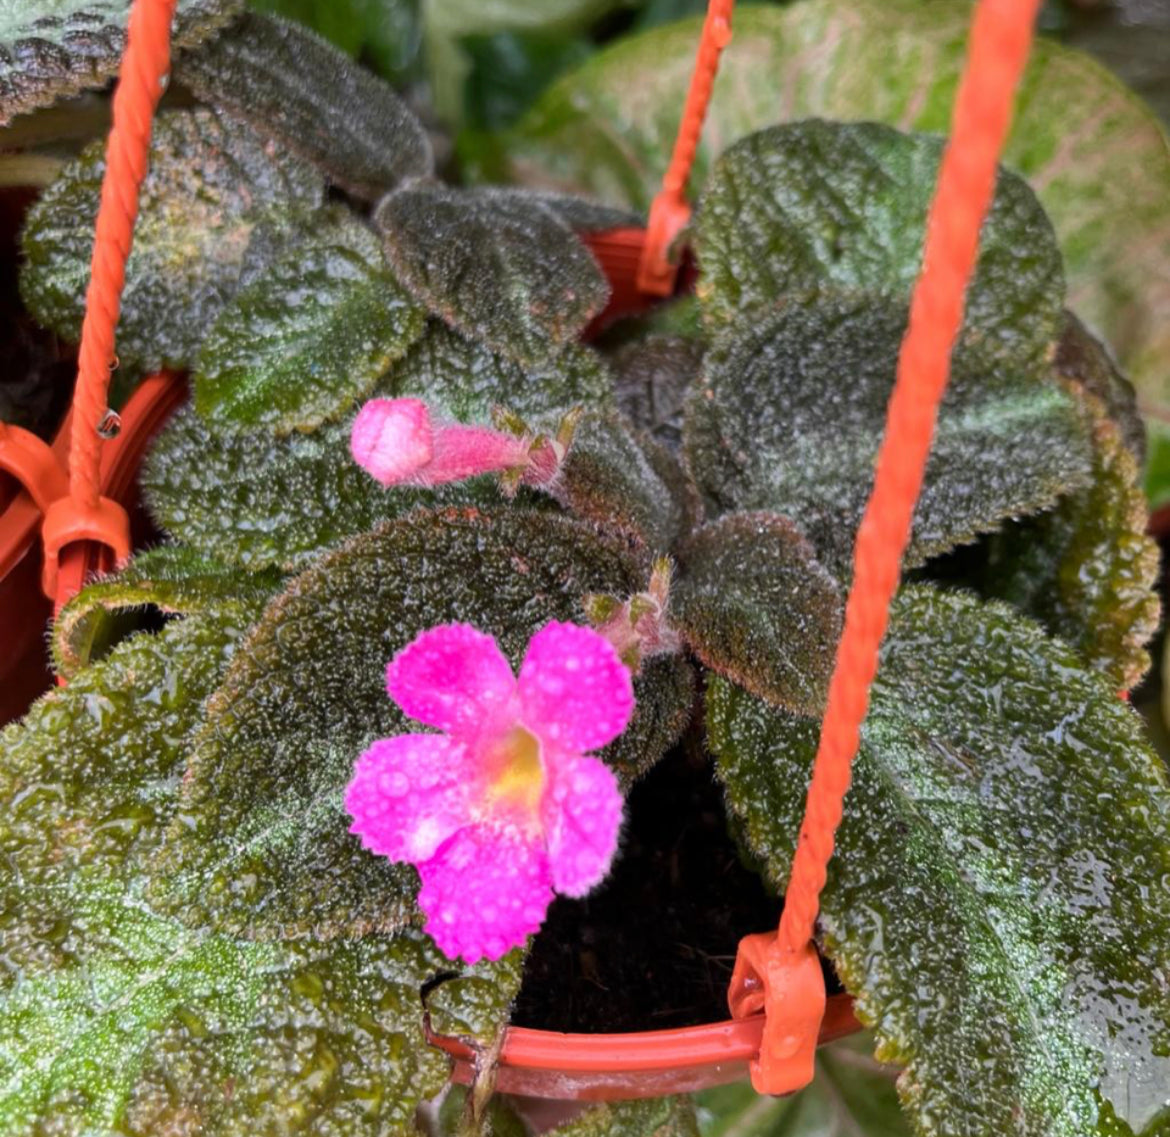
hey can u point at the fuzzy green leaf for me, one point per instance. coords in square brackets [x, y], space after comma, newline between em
[791, 408]
[755, 605]
[310, 338]
[649, 1117]
[152, 1027]
[264, 836]
[50, 49]
[897, 62]
[170, 581]
[75, 1033]
[386, 36]
[611, 478]
[334, 1047]
[216, 205]
[467, 381]
[314, 100]
[251, 499]
[997, 899]
[1083, 361]
[813, 204]
[87, 773]
[852, 1095]
[498, 265]
[652, 378]
[1087, 570]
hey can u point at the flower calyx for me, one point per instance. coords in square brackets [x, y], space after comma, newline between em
[637, 626]
[546, 452]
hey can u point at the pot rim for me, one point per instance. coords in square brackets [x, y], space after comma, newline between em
[729, 1040]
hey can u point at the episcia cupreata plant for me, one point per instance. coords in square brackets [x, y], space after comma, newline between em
[398, 451]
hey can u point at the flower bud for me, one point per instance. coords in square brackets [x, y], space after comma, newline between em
[395, 441]
[392, 439]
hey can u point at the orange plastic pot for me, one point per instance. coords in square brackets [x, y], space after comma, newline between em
[533, 1063]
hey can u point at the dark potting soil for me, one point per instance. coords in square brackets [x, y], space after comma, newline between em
[654, 945]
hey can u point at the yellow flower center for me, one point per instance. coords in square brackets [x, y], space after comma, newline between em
[518, 776]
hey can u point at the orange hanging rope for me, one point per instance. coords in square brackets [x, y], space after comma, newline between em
[670, 211]
[1000, 39]
[85, 514]
[145, 64]
[778, 973]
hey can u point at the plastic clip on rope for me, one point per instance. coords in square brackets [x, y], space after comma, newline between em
[1000, 38]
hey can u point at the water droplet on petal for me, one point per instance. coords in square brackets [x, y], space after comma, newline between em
[395, 784]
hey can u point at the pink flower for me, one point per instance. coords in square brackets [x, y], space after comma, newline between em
[395, 441]
[504, 806]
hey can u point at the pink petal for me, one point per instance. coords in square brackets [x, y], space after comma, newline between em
[485, 892]
[575, 693]
[392, 439]
[453, 678]
[409, 794]
[581, 813]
